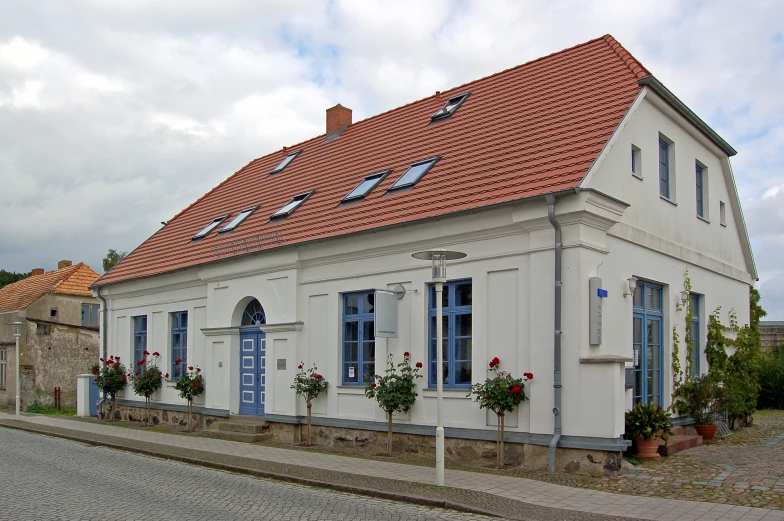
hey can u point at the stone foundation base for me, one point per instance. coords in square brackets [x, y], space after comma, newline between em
[162, 417]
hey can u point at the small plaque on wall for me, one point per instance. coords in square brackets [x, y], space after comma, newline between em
[281, 364]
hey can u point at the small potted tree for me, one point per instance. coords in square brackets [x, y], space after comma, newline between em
[700, 398]
[396, 390]
[190, 385]
[110, 378]
[501, 393]
[646, 424]
[147, 379]
[309, 384]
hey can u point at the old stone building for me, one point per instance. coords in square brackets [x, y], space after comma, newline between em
[59, 331]
[771, 333]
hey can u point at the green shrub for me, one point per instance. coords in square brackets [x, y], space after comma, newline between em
[771, 394]
[646, 420]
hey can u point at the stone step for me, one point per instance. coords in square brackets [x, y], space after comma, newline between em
[243, 437]
[678, 443]
[247, 428]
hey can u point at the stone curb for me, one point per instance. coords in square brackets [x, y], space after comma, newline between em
[406, 498]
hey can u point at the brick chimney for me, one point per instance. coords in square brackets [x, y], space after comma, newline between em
[63, 264]
[36, 271]
[337, 117]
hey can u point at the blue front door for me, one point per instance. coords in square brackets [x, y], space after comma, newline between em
[253, 377]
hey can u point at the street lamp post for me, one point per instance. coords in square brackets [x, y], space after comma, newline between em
[439, 258]
[17, 333]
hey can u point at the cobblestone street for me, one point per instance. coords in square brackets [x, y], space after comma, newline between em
[46, 478]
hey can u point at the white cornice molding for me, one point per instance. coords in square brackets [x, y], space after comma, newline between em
[219, 331]
[283, 327]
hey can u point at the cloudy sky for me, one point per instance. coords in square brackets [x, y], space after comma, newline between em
[114, 115]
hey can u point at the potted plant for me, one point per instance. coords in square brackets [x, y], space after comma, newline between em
[501, 394]
[309, 384]
[700, 398]
[646, 424]
[190, 385]
[110, 378]
[147, 379]
[395, 391]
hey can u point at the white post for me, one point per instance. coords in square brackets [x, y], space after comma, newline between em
[17, 334]
[439, 387]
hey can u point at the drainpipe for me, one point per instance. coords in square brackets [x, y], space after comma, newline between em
[556, 335]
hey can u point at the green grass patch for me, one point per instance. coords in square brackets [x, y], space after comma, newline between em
[37, 409]
[633, 460]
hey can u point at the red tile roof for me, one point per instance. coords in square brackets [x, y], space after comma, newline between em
[71, 280]
[526, 131]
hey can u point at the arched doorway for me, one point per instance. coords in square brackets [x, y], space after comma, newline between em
[253, 350]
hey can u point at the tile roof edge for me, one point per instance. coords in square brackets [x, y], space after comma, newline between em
[637, 68]
[78, 267]
[565, 191]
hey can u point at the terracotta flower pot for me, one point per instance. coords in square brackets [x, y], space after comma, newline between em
[706, 431]
[647, 449]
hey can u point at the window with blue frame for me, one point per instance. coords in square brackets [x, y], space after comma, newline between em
[664, 168]
[457, 331]
[647, 342]
[139, 337]
[694, 302]
[700, 192]
[179, 342]
[359, 340]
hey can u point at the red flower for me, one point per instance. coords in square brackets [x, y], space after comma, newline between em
[492, 365]
[516, 390]
[160, 373]
[178, 361]
[373, 385]
[166, 375]
[111, 357]
[95, 370]
[136, 373]
[496, 360]
[140, 362]
[156, 353]
[319, 377]
[194, 385]
[101, 359]
[530, 376]
[406, 354]
[146, 353]
[190, 368]
[125, 377]
[116, 366]
[299, 366]
[117, 358]
[198, 370]
[419, 365]
[381, 383]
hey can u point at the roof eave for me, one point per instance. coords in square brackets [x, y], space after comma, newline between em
[658, 87]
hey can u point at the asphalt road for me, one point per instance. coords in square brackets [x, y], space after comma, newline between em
[43, 478]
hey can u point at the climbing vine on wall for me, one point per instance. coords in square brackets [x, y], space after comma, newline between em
[688, 338]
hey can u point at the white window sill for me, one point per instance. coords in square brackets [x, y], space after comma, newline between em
[448, 393]
[668, 200]
[724, 224]
[700, 217]
[638, 176]
[350, 389]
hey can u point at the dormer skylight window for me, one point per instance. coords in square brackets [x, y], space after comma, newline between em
[244, 214]
[286, 160]
[207, 229]
[414, 173]
[366, 186]
[292, 205]
[450, 107]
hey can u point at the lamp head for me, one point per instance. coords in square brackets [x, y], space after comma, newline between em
[438, 259]
[17, 329]
[632, 286]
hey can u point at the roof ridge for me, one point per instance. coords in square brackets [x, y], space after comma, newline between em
[637, 68]
[73, 269]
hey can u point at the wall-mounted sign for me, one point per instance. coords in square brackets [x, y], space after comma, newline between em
[386, 314]
[596, 294]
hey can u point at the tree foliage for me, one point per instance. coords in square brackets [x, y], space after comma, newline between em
[9, 277]
[771, 395]
[112, 258]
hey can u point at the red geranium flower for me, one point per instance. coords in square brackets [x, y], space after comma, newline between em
[198, 370]
[146, 353]
[125, 377]
[373, 385]
[136, 373]
[156, 353]
[95, 370]
[406, 354]
[190, 368]
[178, 361]
[319, 377]
[117, 358]
[101, 359]
[419, 365]
[299, 366]
[530, 376]
[492, 365]
[116, 366]
[166, 375]
[160, 373]
[516, 390]
[496, 360]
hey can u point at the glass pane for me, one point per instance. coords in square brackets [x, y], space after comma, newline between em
[368, 332]
[638, 384]
[183, 320]
[444, 326]
[350, 373]
[446, 373]
[463, 325]
[412, 175]
[638, 296]
[463, 294]
[351, 304]
[350, 352]
[654, 358]
[370, 302]
[463, 373]
[463, 349]
[653, 384]
[637, 335]
[636, 350]
[351, 332]
[368, 351]
[367, 372]
[648, 297]
[444, 352]
[654, 332]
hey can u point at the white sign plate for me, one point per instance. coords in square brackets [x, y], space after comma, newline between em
[386, 315]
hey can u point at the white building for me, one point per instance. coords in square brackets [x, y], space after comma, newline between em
[639, 185]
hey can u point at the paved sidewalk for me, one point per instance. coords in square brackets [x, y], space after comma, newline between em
[518, 489]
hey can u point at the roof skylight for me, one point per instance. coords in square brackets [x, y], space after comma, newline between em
[450, 107]
[286, 160]
[207, 229]
[366, 186]
[244, 214]
[292, 205]
[414, 173]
